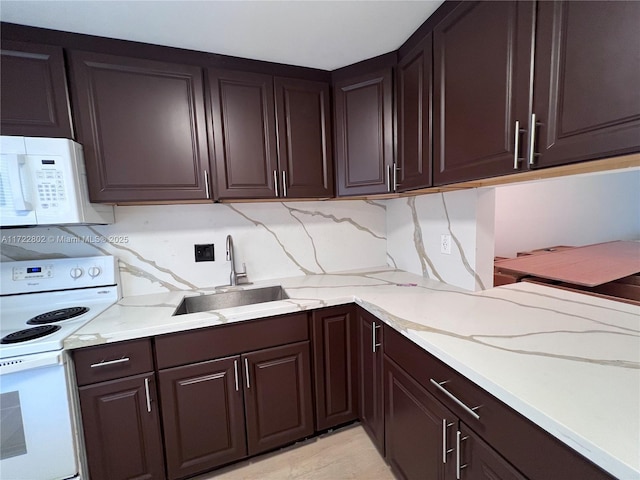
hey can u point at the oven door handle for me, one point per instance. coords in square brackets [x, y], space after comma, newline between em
[20, 364]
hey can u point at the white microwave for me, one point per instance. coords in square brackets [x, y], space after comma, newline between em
[43, 182]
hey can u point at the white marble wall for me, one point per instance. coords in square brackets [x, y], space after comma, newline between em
[155, 244]
[414, 227]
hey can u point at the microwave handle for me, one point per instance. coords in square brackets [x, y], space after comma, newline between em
[14, 164]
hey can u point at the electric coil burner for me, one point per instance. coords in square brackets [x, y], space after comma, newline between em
[58, 315]
[29, 334]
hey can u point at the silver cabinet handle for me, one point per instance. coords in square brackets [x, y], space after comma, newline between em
[275, 181]
[470, 411]
[110, 362]
[235, 368]
[284, 183]
[516, 146]
[206, 184]
[445, 451]
[146, 391]
[395, 176]
[246, 371]
[389, 178]
[532, 138]
[374, 343]
[459, 467]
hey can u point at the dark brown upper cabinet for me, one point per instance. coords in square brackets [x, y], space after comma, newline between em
[244, 134]
[414, 105]
[34, 94]
[303, 117]
[482, 69]
[142, 125]
[364, 133]
[587, 70]
[271, 136]
[494, 114]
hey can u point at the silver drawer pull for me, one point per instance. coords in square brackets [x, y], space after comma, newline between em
[246, 371]
[459, 466]
[235, 368]
[147, 394]
[110, 362]
[455, 399]
[445, 451]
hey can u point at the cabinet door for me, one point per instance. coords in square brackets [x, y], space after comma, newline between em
[203, 416]
[34, 95]
[364, 136]
[244, 134]
[482, 68]
[142, 125]
[414, 106]
[122, 429]
[478, 461]
[334, 359]
[303, 114]
[587, 72]
[419, 431]
[370, 377]
[278, 403]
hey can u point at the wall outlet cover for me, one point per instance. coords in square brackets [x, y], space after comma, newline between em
[445, 244]
[204, 252]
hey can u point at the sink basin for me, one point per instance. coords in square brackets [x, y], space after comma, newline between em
[237, 298]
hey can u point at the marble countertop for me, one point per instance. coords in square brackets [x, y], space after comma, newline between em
[568, 362]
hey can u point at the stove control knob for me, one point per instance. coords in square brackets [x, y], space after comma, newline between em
[94, 271]
[76, 273]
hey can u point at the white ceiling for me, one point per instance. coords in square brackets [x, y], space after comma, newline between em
[323, 34]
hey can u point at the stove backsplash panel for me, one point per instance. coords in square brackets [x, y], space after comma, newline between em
[155, 244]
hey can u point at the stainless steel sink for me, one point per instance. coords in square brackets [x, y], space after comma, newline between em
[236, 298]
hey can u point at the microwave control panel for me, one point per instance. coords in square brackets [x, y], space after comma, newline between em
[50, 185]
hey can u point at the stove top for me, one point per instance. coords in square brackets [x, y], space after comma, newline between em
[29, 334]
[57, 315]
[39, 319]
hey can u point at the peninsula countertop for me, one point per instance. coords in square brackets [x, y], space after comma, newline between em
[568, 362]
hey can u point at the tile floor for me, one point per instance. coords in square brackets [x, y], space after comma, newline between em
[345, 454]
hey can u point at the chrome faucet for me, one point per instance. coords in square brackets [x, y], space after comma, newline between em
[235, 278]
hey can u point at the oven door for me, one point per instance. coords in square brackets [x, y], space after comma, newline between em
[36, 439]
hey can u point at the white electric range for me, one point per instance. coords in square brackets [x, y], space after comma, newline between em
[41, 303]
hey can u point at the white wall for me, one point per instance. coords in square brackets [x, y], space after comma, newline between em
[579, 210]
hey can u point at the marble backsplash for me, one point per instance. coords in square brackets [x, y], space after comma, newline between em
[155, 244]
[415, 226]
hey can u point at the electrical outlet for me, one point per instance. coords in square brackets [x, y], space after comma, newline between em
[204, 252]
[445, 244]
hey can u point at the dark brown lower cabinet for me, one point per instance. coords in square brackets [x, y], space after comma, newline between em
[203, 416]
[278, 401]
[416, 428]
[424, 439]
[122, 429]
[491, 440]
[370, 389]
[478, 461]
[335, 365]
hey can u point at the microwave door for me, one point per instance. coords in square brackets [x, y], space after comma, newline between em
[16, 206]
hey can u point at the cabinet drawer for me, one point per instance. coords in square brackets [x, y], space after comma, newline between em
[508, 432]
[222, 341]
[116, 360]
